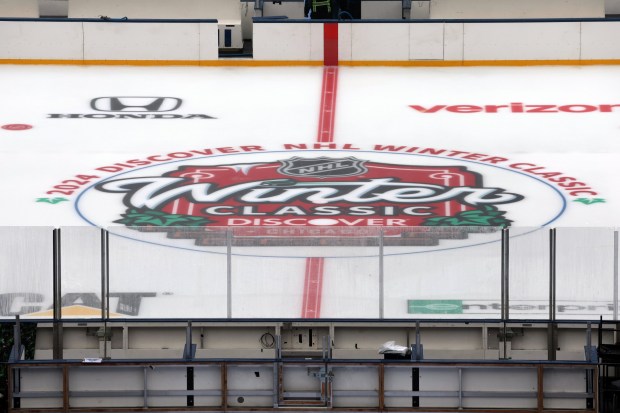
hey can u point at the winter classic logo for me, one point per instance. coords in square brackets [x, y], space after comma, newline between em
[326, 192]
[301, 191]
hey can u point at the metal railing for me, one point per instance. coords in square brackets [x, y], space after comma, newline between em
[84, 387]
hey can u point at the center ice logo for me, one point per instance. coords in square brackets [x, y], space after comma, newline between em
[317, 191]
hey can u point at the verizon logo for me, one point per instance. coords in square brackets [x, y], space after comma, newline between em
[516, 107]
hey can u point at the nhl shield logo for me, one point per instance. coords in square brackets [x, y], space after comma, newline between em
[322, 167]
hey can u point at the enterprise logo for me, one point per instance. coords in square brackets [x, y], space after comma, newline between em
[132, 107]
[490, 307]
[517, 107]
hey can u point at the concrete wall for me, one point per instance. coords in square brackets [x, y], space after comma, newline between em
[155, 9]
[509, 9]
[382, 9]
[19, 8]
[612, 6]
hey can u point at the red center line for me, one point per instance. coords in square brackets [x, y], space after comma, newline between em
[313, 283]
[328, 105]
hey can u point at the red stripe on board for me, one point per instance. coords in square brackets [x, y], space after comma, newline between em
[330, 44]
[313, 282]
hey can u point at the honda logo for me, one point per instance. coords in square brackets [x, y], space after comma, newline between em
[135, 104]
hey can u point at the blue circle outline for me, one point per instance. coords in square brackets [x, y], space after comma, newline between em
[77, 200]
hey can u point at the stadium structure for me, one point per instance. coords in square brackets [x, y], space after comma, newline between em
[229, 206]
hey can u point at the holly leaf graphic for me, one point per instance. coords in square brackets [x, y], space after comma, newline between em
[149, 217]
[486, 215]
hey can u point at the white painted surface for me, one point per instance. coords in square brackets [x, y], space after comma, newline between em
[453, 41]
[156, 9]
[383, 9]
[508, 9]
[41, 40]
[526, 41]
[208, 41]
[599, 41]
[379, 41]
[286, 41]
[316, 42]
[345, 32]
[426, 41]
[54, 8]
[141, 41]
[19, 8]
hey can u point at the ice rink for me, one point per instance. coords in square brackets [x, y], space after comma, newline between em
[292, 147]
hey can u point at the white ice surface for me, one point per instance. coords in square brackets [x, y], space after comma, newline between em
[271, 107]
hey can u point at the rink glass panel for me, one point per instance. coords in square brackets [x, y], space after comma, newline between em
[529, 258]
[171, 270]
[81, 271]
[26, 265]
[455, 272]
[585, 273]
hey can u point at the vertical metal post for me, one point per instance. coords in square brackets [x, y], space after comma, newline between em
[65, 388]
[145, 396]
[504, 356]
[13, 387]
[325, 383]
[276, 371]
[381, 278]
[324, 347]
[107, 275]
[505, 304]
[276, 387]
[460, 388]
[505, 284]
[190, 386]
[381, 373]
[600, 332]
[14, 375]
[615, 275]
[105, 288]
[188, 342]
[590, 359]
[551, 330]
[224, 385]
[57, 342]
[229, 236]
[540, 395]
[17, 339]
[418, 341]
